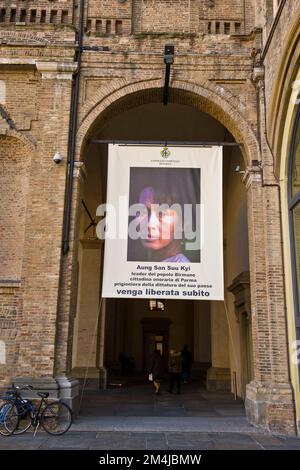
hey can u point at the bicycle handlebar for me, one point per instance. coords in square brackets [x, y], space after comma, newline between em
[23, 387]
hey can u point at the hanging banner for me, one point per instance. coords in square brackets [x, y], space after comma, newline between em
[162, 223]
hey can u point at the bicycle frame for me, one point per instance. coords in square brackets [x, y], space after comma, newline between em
[37, 414]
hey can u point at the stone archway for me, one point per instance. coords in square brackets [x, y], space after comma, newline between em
[109, 101]
[210, 98]
[153, 95]
[263, 207]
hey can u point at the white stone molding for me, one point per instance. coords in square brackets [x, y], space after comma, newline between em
[56, 70]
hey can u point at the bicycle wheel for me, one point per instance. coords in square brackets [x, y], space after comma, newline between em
[56, 418]
[25, 419]
[9, 419]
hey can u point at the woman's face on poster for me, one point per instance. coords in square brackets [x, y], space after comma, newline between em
[160, 224]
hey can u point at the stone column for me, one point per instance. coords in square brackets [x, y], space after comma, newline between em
[101, 346]
[111, 332]
[269, 397]
[240, 288]
[202, 332]
[87, 310]
[67, 302]
[218, 376]
[114, 332]
[202, 340]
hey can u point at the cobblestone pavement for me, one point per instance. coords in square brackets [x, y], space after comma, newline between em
[149, 441]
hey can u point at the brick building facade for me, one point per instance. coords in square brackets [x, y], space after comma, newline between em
[67, 69]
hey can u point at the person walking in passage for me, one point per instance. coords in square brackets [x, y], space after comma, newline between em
[157, 370]
[186, 363]
[175, 369]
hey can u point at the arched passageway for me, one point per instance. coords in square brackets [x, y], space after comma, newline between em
[220, 342]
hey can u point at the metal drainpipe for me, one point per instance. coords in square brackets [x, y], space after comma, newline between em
[72, 137]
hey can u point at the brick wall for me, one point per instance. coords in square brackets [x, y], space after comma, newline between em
[212, 71]
[10, 312]
[42, 251]
[115, 17]
[157, 16]
[14, 182]
[14, 95]
[32, 12]
[162, 15]
[109, 17]
[14, 175]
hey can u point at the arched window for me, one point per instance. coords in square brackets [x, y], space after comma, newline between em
[294, 215]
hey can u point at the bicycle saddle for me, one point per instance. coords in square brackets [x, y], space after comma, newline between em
[43, 395]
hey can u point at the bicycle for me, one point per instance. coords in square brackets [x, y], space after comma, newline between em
[4, 409]
[20, 414]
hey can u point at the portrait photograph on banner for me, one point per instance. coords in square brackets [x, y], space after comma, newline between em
[174, 188]
[163, 223]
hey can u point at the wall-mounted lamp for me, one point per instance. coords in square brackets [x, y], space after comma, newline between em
[169, 54]
[238, 170]
[57, 158]
[157, 305]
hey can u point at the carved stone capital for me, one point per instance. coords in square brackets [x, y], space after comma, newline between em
[253, 174]
[240, 288]
[258, 76]
[56, 70]
[80, 171]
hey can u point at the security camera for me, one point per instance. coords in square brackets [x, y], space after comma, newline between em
[57, 158]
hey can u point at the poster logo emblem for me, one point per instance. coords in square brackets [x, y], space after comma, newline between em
[165, 153]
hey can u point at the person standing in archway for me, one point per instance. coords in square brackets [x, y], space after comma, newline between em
[157, 370]
[175, 369]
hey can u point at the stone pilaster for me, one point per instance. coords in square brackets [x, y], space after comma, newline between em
[218, 376]
[218, 379]
[68, 284]
[269, 397]
[44, 221]
[101, 346]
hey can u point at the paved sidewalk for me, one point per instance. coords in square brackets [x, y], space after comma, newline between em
[149, 441]
[131, 417]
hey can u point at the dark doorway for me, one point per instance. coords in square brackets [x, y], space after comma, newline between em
[155, 336]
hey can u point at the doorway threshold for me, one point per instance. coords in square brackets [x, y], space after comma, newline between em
[163, 424]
